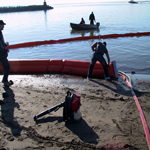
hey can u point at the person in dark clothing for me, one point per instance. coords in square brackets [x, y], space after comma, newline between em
[3, 55]
[82, 21]
[99, 50]
[92, 18]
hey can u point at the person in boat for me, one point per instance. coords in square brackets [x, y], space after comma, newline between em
[82, 21]
[3, 55]
[99, 49]
[92, 18]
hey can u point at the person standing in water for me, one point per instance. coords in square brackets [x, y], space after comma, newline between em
[99, 49]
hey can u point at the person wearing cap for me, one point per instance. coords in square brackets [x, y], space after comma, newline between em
[3, 55]
[99, 50]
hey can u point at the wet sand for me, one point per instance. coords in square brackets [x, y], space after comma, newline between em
[110, 118]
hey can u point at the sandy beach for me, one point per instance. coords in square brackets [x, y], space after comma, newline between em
[110, 118]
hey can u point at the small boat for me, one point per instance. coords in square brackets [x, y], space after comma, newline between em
[84, 26]
[132, 2]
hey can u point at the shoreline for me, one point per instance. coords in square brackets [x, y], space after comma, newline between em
[110, 118]
[140, 82]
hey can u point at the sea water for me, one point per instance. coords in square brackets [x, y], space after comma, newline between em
[130, 53]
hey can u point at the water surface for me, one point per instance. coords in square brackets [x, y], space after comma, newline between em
[130, 53]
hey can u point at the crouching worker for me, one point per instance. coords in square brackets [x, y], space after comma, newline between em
[99, 49]
[3, 56]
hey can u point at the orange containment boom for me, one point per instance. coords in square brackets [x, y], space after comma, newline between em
[29, 44]
[75, 67]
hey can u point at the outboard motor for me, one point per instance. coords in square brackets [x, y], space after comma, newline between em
[71, 108]
[98, 24]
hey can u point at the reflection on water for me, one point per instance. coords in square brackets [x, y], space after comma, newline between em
[85, 32]
[130, 53]
[45, 14]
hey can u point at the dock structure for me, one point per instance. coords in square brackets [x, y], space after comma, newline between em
[25, 8]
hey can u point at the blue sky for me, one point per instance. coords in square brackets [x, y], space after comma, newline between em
[52, 2]
[49, 2]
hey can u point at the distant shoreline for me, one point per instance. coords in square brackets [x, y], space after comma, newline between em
[24, 8]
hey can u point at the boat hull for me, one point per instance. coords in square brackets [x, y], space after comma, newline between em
[133, 2]
[84, 26]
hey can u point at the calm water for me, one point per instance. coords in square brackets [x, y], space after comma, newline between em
[130, 53]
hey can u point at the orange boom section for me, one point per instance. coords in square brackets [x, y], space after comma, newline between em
[81, 68]
[76, 67]
[29, 44]
[55, 65]
[29, 66]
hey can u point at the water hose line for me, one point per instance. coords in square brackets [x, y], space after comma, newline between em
[145, 126]
[129, 79]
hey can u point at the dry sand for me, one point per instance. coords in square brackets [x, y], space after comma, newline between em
[110, 118]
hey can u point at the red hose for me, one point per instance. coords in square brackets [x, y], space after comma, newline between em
[145, 126]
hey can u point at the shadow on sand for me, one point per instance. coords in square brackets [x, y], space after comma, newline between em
[81, 129]
[7, 112]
